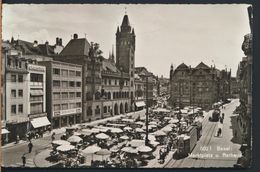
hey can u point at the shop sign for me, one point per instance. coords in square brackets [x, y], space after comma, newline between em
[66, 112]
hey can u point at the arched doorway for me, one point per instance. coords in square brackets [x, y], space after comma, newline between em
[116, 109]
[121, 108]
[126, 107]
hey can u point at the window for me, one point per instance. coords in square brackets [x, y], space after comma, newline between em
[20, 64]
[13, 109]
[20, 93]
[64, 72]
[9, 62]
[72, 105]
[64, 84]
[132, 83]
[36, 77]
[132, 74]
[72, 84]
[36, 98]
[105, 81]
[72, 95]
[89, 111]
[78, 73]
[72, 73]
[78, 94]
[105, 109]
[20, 78]
[56, 83]
[78, 105]
[109, 82]
[115, 82]
[78, 84]
[13, 93]
[20, 108]
[56, 107]
[64, 106]
[56, 96]
[13, 78]
[64, 95]
[36, 108]
[56, 71]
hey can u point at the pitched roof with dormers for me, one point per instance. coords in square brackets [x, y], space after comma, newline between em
[76, 47]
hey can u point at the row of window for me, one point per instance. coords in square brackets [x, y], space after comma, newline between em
[64, 72]
[14, 93]
[66, 84]
[115, 82]
[66, 95]
[66, 106]
[14, 109]
[17, 78]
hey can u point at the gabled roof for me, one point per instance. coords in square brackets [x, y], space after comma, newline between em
[108, 65]
[182, 66]
[76, 47]
[202, 66]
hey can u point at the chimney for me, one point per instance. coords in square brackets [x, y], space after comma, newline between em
[75, 36]
[57, 41]
[35, 43]
[46, 43]
[60, 42]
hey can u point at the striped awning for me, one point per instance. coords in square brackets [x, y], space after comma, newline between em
[40, 122]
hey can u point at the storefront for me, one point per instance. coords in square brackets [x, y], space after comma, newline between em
[40, 123]
[4, 136]
[63, 118]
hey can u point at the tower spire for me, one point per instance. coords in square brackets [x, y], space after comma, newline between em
[113, 57]
[125, 10]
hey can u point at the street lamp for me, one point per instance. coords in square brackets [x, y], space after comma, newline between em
[146, 115]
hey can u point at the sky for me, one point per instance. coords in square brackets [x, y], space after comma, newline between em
[165, 34]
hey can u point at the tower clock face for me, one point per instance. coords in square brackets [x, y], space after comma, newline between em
[121, 83]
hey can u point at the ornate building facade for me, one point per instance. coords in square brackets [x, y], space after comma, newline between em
[200, 86]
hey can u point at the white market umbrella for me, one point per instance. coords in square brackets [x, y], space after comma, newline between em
[103, 152]
[77, 134]
[116, 130]
[60, 142]
[102, 136]
[153, 123]
[124, 137]
[173, 121]
[65, 148]
[129, 150]
[159, 133]
[139, 130]
[127, 128]
[91, 149]
[139, 123]
[151, 137]
[154, 143]
[167, 128]
[144, 148]
[74, 139]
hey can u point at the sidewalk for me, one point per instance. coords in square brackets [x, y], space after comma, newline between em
[63, 129]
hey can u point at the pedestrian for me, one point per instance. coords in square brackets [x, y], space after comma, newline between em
[30, 146]
[53, 136]
[17, 139]
[24, 160]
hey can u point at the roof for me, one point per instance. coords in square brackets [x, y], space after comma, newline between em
[202, 66]
[76, 47]
[108, 65]
[182, 66]
[28, 48]
[125, 21]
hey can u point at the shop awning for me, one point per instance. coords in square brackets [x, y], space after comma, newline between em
[40, 122]
[5, 131]
[36, 92]
[140, 104]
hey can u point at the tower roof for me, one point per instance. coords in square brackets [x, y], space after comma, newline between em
[201, 66]
[182, 66]
[125, 21]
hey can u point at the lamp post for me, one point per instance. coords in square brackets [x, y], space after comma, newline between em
[146, 114]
